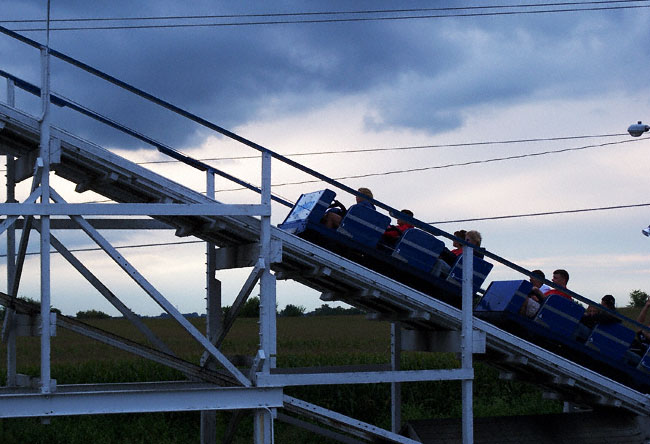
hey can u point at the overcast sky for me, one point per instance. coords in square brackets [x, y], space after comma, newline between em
[346, 85]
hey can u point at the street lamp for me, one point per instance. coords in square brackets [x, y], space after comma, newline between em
[638, 129]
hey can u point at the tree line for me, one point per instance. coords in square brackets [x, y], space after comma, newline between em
[251, 309]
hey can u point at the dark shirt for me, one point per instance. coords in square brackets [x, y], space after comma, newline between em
[599, 318]
[366, 203]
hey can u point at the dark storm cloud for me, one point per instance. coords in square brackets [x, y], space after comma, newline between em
[417, 74]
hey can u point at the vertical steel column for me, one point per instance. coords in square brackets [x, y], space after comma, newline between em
[268, 341]
[45, 221]
[467, 345]
[213, 319]
[11, 253]
[395, 387]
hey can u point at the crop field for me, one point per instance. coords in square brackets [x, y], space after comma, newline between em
[302, 341]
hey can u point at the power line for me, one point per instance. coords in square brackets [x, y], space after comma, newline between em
[348, 20]
[317, 13]
[401, 148]
[451, 165]
[546, 213]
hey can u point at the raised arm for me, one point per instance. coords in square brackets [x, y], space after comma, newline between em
[644, 312]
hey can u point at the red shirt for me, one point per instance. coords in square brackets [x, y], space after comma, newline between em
[395, 232]
[558, 292]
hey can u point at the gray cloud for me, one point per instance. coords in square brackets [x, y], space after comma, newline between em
[418, 74]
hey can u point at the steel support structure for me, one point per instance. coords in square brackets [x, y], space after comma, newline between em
[49, 400]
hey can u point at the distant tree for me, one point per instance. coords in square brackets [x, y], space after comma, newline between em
[35, 302]
[293, 310]
[638, 298]
[251, 308]
[92, 314]
[326, 310]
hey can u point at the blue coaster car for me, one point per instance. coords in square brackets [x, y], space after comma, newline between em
[358, 238]
[309, 209]
[504, 297]
[556, 327]
[481, 270]
[611, 340]
[419, 249]
[559, 314]
[363, 225]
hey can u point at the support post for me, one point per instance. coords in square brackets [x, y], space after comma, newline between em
[466, 347]
[395, 387]
[45, 222]
[213, 320]
[263, 418]
[11, 253]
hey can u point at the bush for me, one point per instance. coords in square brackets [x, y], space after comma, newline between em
[326, 310]
[251, 308]
[92, 314]
[638, 298]
[293, 310]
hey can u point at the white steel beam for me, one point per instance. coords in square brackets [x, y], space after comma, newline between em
[102, 224]
[127, 400]
[133, 209]
[467, 292]
[44, 153]
[8, 331]
[263, 419]
[363, 377]
[361, 429]
[395, 387]
[213, 321]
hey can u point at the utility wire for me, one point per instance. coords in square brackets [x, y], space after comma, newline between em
[397, 148]
[317, 13]
[402, 148]
[545, 213]
[451, 165]
[337, 20]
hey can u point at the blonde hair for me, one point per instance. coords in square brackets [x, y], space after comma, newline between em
[366, 191]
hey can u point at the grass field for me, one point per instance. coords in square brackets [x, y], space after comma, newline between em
[305, 341]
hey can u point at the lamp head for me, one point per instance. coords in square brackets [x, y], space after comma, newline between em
[638, 129]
